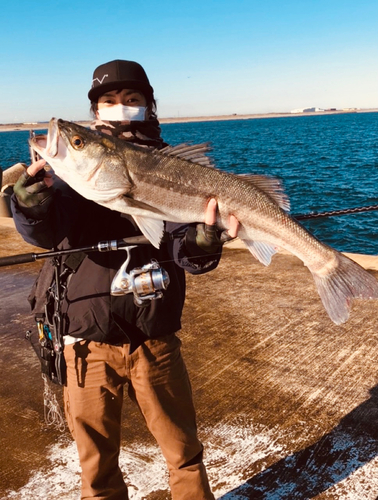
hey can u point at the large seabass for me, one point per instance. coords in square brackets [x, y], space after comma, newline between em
[175, 184]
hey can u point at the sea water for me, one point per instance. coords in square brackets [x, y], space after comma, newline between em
[326, 162]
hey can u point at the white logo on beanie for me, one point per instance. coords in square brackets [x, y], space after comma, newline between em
[99, 81]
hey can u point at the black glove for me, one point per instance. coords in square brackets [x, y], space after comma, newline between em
[32, 194]
[210, 238]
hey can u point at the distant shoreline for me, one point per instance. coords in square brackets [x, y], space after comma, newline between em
[11, 127]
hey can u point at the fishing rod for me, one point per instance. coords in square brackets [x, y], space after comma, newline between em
[102, 246]
[146, 282]
[105, 246]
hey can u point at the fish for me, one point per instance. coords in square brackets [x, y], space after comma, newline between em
[176, 182]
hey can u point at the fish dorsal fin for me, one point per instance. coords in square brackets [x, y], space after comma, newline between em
[195, 153]
[272, 186]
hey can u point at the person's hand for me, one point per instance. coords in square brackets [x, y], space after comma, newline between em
[32, 189]
[211, 219]
[209, 237]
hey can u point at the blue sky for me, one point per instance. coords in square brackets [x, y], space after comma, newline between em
[207, 57]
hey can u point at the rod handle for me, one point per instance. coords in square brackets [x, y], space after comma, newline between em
[17, 259]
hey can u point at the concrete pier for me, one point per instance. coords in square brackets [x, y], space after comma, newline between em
[287, 402]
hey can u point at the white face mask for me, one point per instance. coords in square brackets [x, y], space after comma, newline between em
[121, 113]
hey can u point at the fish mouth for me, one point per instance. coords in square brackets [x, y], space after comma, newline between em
[47, 145]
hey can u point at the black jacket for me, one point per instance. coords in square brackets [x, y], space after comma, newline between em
[89, 311]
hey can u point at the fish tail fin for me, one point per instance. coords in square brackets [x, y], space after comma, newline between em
[344, 283]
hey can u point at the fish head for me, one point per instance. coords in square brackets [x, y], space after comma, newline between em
[86, 160]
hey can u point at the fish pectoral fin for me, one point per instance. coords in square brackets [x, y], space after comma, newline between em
[139, 207]
[271, 186]
[129, 206]
[261, 251]
[143, 215]
[153, 229]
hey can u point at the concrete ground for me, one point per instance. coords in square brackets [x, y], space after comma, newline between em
[287, 402]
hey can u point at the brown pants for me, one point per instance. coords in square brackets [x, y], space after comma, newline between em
[159, 383]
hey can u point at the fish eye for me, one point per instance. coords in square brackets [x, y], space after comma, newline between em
[77, 142]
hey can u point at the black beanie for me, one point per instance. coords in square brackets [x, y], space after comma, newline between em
[118, 75]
